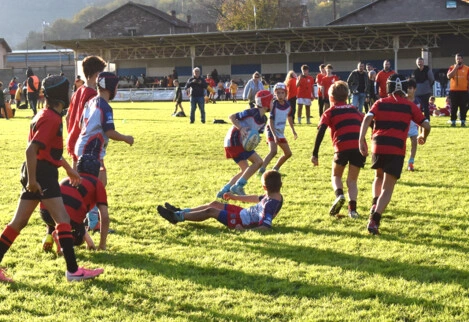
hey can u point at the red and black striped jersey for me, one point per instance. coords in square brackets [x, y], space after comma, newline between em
[392, 116]
[80, 200]
[344, 121]
[46, 131]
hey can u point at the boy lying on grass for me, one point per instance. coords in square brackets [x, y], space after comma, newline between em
[259, 216]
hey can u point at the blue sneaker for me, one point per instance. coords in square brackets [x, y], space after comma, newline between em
[260, 172]
[338, 203]
[223, 190]
[237, 190]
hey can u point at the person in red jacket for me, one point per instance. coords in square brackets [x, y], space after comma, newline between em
[382, 77]
[305, 94]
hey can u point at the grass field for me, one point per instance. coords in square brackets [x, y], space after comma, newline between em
[309, 267]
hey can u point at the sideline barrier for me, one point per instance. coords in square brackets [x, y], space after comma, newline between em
[153, 94]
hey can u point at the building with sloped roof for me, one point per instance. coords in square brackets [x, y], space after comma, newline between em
[399, 30]
[133, 19]
[4, 50]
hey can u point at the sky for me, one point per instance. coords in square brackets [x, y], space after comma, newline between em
[23, 16]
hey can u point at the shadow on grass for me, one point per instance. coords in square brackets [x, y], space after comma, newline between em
[438, 185]
[176, 309]
[262, 283]
[311, 256]
[394, 269]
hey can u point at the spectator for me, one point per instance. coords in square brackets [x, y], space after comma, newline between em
[33, 84]
[423, 75]
[432, 106]
[211, 88]
[18, 95]
[445, 111]
[2, 101]
[382, 77]
[233, 90]
[305, 94]
[195, 88]
[458, 76]
[358, 84]
[371, 95]
[252, 87]
[78, 83]
[327, 82]
[12, 87]
[220, 90]
[214, 75]
[321, 93]
[290, 82]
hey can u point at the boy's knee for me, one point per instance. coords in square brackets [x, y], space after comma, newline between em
[214, 204]
[258, 162]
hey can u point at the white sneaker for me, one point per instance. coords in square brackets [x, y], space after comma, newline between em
[353, 214]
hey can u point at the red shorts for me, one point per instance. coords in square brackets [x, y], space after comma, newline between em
[230, 216]
[237, 153]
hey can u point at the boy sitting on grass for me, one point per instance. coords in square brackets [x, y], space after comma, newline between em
[259, 216]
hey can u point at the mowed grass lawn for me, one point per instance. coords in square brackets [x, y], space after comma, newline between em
[309, 267]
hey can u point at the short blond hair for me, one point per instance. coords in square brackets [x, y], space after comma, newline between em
[339, 91]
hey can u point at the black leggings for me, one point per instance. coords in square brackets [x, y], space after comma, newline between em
[458, 99]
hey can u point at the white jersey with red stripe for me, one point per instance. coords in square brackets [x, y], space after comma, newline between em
[279, 114]
[97, 118]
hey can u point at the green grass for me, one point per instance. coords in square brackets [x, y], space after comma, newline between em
[309, 267]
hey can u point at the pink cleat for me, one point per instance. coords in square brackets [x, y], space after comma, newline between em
[3, 278]
[83, 274]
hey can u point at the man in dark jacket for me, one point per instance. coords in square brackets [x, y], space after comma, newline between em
[195, 88]
[424, 77]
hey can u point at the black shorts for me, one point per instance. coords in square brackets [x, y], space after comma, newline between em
[47, 175]
[390, 163]
[354, 157]
[78, 229]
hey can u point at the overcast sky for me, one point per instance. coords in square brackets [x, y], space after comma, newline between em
[22, 16]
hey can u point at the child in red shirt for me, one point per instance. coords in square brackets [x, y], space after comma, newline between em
[39, 177]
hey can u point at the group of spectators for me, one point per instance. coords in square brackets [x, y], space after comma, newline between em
[366, 85]
[23, 94]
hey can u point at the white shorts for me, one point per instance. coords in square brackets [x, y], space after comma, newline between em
[413, 130]
[304, 101]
